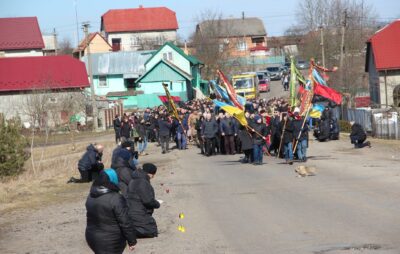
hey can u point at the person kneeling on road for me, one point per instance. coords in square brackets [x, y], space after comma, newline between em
[358, 136]
[90, 164]
[108, 227]
[142, 202]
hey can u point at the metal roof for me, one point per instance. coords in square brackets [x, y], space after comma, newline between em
[233, 27]
[121, 62]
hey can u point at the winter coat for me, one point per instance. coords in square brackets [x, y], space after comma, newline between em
[324, 130]
[90, 160]
[117, 123]
[298, 124]
[288, 132]
[246, 139]
[228, 126]
[125, 174]
[141, 129]
[142, 202]
[209, 129]
[164, 127]
[357, 133]
[125, 130]
[108, 225]
[259, 128]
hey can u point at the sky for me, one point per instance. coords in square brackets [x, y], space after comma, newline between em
[60, 14]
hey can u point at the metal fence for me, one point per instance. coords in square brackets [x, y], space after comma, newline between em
[380, 123]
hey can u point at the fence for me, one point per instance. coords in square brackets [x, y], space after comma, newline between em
[107, 115]
[381, 123]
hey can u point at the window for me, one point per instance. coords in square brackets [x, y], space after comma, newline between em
[135, 41]
[116, 44]
[396, 96]
[241, 45]
[168, 56]
[259, 41]
[102, 81]
[221, 48]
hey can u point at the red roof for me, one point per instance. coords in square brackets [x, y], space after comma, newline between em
[139, 19]
[41, 72]
[20, 33]
[259, 48]
[386, 47]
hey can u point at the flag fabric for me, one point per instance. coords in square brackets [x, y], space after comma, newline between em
[292, 84]
[318, 77]
[229, 88]
[164, 99]
[234, 111]
[316, 111]
[328, 93]
[171, 102]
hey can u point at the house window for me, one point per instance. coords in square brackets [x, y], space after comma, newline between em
[116, 44]
[135, 41]
[102, 81]
[259, 41]
[221, 48]
[168, 56]
[241, 45]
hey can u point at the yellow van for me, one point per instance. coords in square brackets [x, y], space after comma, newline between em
[246, 85]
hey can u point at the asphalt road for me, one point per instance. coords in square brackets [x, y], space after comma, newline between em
[350, 206]
[276, 91]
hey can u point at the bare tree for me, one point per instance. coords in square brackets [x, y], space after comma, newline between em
[65, 47]
[359, 20]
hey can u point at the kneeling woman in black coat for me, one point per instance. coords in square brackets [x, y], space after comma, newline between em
[142, 202]
[108, 226]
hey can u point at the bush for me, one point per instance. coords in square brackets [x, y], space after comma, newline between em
[344, 126]
[12, 148]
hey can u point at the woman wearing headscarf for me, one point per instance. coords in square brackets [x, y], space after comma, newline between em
[142, 202]
[108, 226]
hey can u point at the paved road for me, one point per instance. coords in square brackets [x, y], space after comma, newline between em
[276, 91]
[350, 206]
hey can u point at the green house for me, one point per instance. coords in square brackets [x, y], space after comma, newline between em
[171, 65]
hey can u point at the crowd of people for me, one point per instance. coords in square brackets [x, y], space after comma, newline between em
[121, 201]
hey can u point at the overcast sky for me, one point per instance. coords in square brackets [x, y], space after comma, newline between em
[60, 14]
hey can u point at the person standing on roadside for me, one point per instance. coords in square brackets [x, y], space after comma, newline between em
[125, 130]
[117, 128]
[165, 125]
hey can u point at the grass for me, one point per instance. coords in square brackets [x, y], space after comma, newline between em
[43, 183]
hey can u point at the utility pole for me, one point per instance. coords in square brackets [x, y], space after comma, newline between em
[322, 45]
[85, 27]
[342, 46]
[55, 41]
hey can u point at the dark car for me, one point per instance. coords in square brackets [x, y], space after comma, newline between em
[275, 72]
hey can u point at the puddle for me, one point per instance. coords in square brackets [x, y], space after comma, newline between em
[350, 249]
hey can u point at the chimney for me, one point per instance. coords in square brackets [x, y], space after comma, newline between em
[242, 14]
[186, 49]
[140, 6]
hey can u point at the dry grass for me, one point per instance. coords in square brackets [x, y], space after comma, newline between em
[54, 165]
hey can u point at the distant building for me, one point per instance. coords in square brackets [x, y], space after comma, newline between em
[139, 28]
[98, 44]
[383, 66]
[27, 82]
[50, 45]
[20, 37]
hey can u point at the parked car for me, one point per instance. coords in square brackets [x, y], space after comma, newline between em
[275, 72]
[302, 65]
[264, 86]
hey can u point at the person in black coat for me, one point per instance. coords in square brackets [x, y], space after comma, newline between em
[117, 128]
[108, 227]
[229, 132]
[275, 132]
[260, 131]
[142, 202]
[301, 136]
[209, 130]
[287, 140]
[125, 130]
[124, 167]
[358, 136]
[165, 125]
[90, 164]
[247, 144]
[126, 145]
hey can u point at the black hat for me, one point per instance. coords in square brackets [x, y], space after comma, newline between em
[150, 168]
[127, 143]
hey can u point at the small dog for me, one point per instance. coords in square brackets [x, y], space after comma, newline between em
[304, 171]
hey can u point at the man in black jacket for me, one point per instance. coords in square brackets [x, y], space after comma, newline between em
[260, 131]
[164, 131]
[117, 128]
[209, 130]
[125, 130]
[301, 136]
[358, 136]
[108, 227]
[124, 167]
[142, 202]
[90, 164]
[229, 132]
[287, 140]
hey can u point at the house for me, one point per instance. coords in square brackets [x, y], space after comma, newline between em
[139, 28]
[383, 66]
[98, 44]
[50, 44]
[115, 74]
[41, 88]
[20, 37]
[180, 71]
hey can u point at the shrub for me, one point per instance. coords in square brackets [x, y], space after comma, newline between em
[344, 126]
[12, 148]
